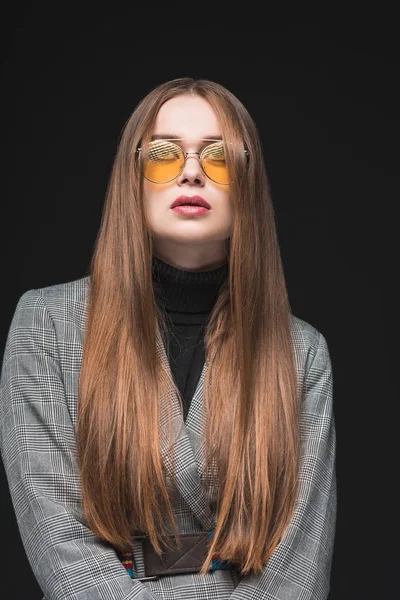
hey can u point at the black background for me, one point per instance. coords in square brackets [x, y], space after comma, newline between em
[324, 94]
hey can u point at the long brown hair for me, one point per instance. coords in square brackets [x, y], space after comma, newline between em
[251, 399]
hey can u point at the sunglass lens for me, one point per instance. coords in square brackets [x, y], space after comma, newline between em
[214, 163]
[163, 161]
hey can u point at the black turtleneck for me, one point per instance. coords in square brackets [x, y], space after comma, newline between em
[187, 298]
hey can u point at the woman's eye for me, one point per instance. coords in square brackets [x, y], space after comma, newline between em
[163, 152]
[215, 153]
[162, 156]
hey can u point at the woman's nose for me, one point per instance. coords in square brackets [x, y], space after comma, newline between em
[192, 171]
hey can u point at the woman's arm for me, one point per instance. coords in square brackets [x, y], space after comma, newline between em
[37, 443]
[300, 567]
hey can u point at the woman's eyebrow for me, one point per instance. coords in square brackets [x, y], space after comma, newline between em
[171, 136]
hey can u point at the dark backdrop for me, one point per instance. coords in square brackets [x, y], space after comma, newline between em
[324, 94]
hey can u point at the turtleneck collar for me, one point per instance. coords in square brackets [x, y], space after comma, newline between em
[187, 291]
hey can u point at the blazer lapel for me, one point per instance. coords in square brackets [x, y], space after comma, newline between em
[195, 430]
[187, 447]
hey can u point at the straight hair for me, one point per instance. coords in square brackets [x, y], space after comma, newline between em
[251, 398]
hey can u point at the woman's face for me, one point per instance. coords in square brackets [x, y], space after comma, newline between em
[192, 242]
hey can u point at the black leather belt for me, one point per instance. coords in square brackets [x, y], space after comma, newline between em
[174, 560]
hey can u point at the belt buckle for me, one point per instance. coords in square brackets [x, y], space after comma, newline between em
[156, 566]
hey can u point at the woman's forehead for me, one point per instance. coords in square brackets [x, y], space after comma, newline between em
[187, 117]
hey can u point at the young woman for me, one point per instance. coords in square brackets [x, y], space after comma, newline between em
[167, 425]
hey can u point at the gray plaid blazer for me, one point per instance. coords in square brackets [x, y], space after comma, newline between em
[38, 411]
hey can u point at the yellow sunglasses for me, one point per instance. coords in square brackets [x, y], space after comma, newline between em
[164, 160]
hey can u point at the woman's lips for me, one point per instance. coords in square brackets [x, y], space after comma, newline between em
[190, 209]
[185, 200]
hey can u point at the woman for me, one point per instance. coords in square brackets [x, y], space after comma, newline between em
[167, 427]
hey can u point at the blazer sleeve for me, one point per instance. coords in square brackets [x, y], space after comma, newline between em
[38, 450]
[300, 567]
